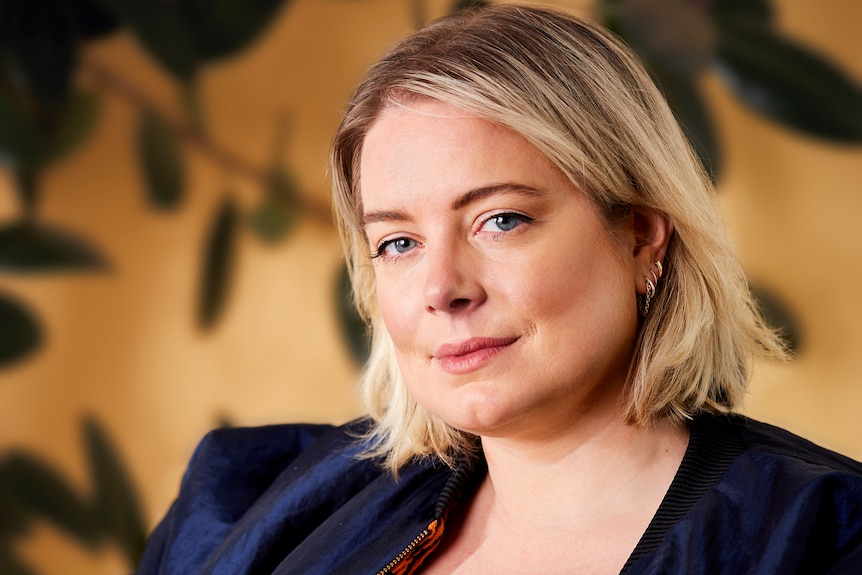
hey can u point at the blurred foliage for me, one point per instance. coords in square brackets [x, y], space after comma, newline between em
[357, 337]
[44, 117]
[218, 262]
[775, 76]
[28, 246]
[20, 333]
[33, 491]
[161, 162]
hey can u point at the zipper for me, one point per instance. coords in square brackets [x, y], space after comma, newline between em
[451, 491]
[407, 550]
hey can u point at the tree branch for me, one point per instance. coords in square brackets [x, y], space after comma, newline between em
[225, 158]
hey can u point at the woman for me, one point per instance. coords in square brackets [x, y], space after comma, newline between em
[560, 337]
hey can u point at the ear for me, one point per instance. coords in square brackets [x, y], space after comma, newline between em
[652, 233]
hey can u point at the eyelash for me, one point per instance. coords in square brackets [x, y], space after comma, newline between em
[383, 245]
[522, 219]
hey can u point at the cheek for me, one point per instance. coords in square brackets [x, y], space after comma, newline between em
[396, 306]
[586, 288]
[555, 281]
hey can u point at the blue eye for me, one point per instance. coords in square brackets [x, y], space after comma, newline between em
[395, 247]
[504, 222]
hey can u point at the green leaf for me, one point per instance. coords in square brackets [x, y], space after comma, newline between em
[608, 12]
[75, 123]
[91, 20]
[40, 48]
[30, 247]
[116, 506]
[27, 188]
[28, 143]
[685, 99]
[158, 27]
[20, 334]
[760, 11]
[218, 263]
[278, 214]
[676, 35]
[787, 82]
[11, 565]
[222, 28]
[20, 141]
[45, 493]
[779, 317]
[15, 518]
[271, 221]
[193, 106]
[161, 160]
[354, 330]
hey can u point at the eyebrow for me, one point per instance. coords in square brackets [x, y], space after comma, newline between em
[458, 203]
[477, 194]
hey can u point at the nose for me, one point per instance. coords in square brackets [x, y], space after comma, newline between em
[453, 282]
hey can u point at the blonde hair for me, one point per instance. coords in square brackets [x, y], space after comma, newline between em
[584, 100]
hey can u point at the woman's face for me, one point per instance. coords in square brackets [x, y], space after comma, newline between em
[511, 308]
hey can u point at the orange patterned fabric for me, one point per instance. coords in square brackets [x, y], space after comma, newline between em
[415, 556]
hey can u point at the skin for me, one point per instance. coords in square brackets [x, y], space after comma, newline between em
[513, 313]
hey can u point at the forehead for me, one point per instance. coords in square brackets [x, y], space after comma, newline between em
[427, 148]
[426, 124]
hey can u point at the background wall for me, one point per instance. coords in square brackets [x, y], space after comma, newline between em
[123, 345]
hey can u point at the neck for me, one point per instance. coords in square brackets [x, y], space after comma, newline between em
[596, 468]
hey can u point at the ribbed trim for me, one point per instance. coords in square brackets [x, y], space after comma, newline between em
[466, 473]
[712, 447]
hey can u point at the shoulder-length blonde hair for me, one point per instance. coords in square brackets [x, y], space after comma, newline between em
[584, 100]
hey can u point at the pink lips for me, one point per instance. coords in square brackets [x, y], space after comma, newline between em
[471, 354]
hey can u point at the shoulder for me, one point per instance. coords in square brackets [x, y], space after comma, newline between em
[233, 470]
[754, 498]
[788, 504]
[255, 453]
[769, 441]
[244, 461]
[777, 475]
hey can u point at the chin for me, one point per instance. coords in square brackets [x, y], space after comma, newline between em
[475, 411]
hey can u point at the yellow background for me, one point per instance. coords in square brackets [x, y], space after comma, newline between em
[123, 345]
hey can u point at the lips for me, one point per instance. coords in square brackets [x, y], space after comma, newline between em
[471, 354]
